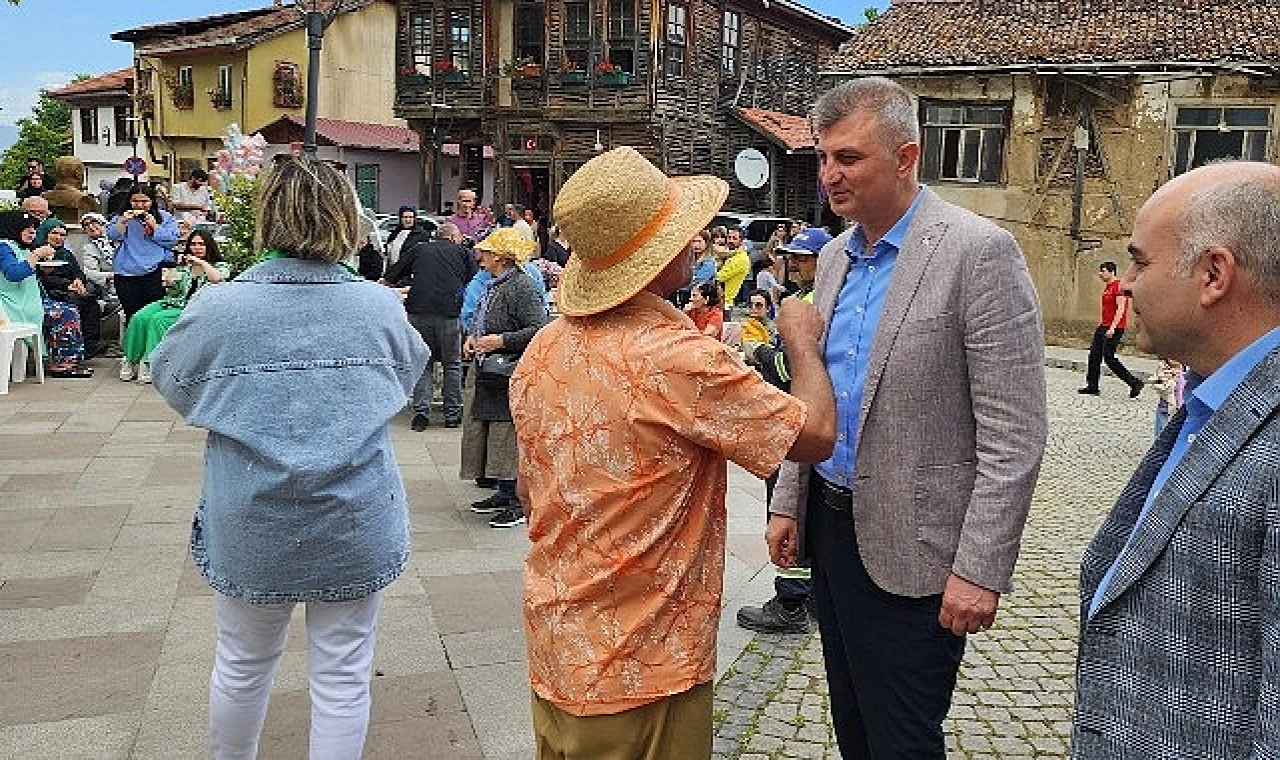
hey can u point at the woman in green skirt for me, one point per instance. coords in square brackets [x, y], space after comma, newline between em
[200, 265]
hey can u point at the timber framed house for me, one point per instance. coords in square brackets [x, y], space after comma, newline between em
[547, 84]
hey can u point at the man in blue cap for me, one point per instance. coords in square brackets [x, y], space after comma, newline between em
[787, 611]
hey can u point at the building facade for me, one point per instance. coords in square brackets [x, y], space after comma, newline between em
[547, 84]
[1064, 123]
[196, 77]
[103, 127]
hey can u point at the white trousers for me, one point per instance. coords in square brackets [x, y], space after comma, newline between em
[251, 638]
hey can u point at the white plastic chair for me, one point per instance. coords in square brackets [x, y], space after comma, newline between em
[13, 353]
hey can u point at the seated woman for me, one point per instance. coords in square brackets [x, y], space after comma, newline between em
[23, 301]
[199, 266]
[96, 255]
[705, 310]
[69, 283]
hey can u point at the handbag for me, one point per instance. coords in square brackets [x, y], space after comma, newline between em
[494, 370]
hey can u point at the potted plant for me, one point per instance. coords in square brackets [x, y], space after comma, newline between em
[413, 75]
[571, 72]
[611, 73]
[184, 96]
[523, 68]
[447, 71]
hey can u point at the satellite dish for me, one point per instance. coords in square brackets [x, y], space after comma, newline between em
[751, 168]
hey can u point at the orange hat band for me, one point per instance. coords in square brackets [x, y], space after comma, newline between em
[644, 235]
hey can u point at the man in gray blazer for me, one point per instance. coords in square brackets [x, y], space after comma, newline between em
[935, 348]
[1180, 589]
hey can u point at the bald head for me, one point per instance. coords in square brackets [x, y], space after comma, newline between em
[36, 206]
[1233, 205]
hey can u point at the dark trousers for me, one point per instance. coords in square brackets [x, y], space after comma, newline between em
[135, 292]
[890, 666]
[1103, 349]
[90, 324]
[443, 335]
[791, 591]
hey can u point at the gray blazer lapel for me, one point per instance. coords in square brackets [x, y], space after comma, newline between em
[1217, 443]
[923, 235]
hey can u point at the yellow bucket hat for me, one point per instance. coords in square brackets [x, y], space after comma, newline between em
[509, 243]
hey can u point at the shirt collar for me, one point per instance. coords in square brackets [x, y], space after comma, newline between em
[1212, 391]
[896, 235]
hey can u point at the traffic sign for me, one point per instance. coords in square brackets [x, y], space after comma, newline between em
[135, 165]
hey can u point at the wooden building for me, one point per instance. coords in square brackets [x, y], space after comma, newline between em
[551, 83]
[1061, 124]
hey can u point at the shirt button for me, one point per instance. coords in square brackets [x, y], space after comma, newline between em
[858, 310]
[840, 436]
[850, 354]
[1191, 438]
[871, 267]
[844, 394]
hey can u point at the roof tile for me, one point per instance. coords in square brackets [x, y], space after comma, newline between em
[789, 130]
[111, 81]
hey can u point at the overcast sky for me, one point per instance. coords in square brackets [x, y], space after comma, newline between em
[62, 38]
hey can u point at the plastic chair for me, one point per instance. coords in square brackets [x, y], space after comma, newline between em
[13, 353]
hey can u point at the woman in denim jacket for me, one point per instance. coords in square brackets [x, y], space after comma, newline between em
[295, 368]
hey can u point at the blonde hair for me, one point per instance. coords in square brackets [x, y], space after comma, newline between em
[306, 209]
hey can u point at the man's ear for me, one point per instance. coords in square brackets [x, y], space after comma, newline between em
[908, 154]
[1218, 272]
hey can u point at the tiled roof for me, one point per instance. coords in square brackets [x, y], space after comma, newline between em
[977, 33]
[788, 130]
[237, 30]
[352, 134]
[115, 81]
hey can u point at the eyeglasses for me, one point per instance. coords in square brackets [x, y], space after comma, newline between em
[758, 304]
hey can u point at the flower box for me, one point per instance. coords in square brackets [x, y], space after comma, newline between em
[615, 78]
[573, 77]
[415, 78]
[453, 76]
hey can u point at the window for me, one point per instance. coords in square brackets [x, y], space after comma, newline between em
[577, 36]
[183, 94]
[529, 33]
[677, 38]
[963, 142]
[729, 42]
[222, 95]
[622, 34]
[420, 43]
[460, 39]
[367, 185]
[123, 118]
[1201, 135]
[89, 124]
[184, 77]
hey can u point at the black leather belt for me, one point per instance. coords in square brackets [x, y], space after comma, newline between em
[832, 496]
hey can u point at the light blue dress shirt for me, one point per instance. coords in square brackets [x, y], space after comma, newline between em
[852, 331]
[1204, 396]
[471, 294]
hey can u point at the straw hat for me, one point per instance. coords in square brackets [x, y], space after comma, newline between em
[626, 221]
[508, 243]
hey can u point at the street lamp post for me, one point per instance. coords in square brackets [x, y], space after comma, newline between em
[316, 22]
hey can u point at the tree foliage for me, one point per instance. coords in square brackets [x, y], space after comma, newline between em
[870, 14]
[45, 134]
[239, 206]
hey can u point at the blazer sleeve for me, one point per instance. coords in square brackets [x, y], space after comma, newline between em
[526, 307]
[1004, 351]
[1266, 740]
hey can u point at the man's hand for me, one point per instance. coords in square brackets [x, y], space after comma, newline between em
[800, 324]
[1111, 332]
[783, 538]
[966, 607]
[78, 288]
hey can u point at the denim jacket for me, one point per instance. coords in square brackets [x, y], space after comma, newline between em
[295, 368]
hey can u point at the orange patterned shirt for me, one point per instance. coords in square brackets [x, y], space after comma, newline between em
[624, 422]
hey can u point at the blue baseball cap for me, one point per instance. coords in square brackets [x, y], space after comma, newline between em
[807, 243]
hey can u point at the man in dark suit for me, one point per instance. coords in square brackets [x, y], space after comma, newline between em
[441, 269]
[934, 344]
[1180, 589]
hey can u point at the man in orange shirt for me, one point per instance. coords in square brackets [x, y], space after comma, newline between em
[625, 416]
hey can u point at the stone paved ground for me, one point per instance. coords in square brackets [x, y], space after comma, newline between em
[1015, 693]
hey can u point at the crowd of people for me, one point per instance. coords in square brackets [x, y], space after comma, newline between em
[895, 406]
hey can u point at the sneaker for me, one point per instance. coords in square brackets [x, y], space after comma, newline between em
[508, 518]
[127, 370]
[773, 617]
[1087, 391]
[144, 372]
[1135, 389]
[486, 483]
[420, 422]
[453, 423]
[492, 505]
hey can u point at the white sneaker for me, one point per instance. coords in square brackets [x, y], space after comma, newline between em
[144, 372]
[127, 370]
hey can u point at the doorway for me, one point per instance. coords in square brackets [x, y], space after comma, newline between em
[531, 188]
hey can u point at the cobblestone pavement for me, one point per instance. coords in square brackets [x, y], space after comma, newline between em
[1015, 693]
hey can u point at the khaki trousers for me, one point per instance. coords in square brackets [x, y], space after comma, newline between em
[677, 727]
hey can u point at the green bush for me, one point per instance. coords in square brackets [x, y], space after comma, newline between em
[239, 204]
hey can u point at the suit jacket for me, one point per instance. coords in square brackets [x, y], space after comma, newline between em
[953, 421]
[1180, 659]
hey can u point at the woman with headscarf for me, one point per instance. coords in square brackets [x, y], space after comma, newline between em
[96, 255]
[199, 265]
[511, 310]
[405, 236]
[68, 283]
[24, 301]
[295, 368]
